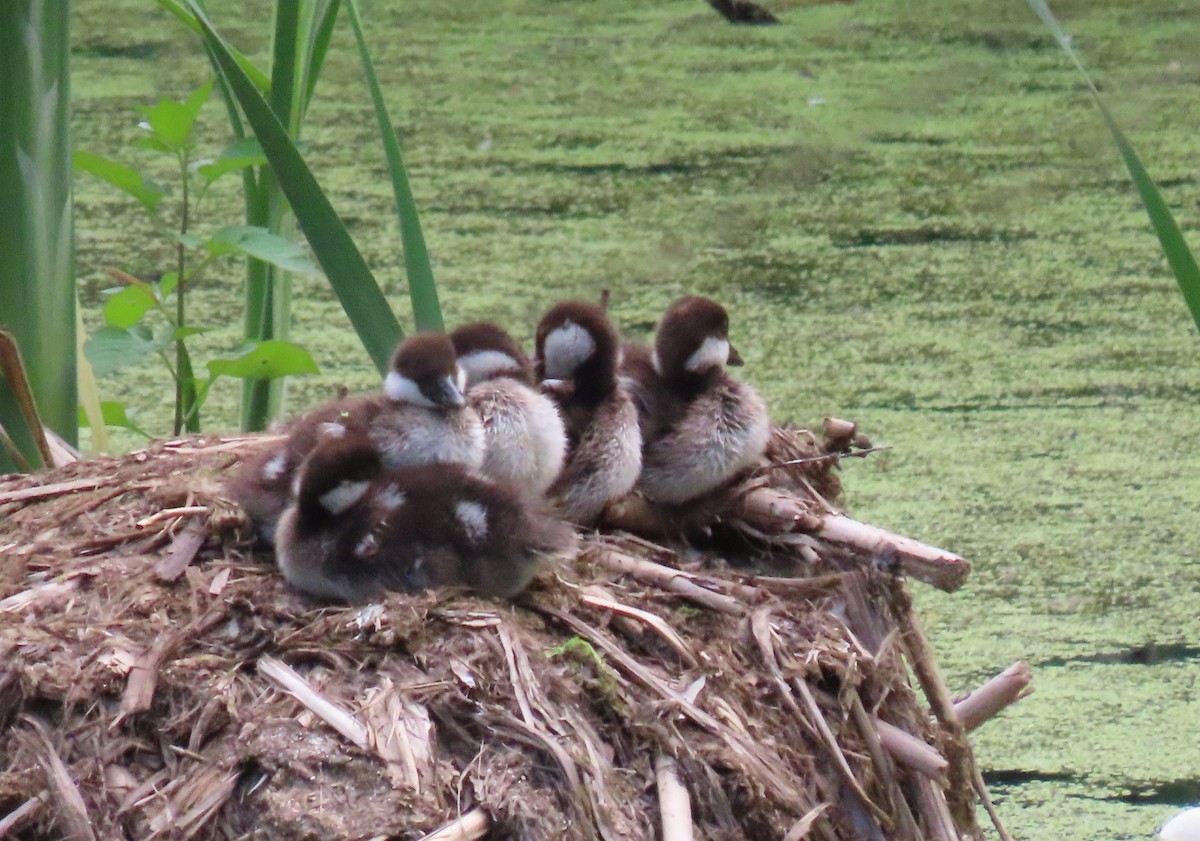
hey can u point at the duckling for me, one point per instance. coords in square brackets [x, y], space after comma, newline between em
[578, 353]
[526, 442]
[357, 527]
[422, 418]
[700, 426]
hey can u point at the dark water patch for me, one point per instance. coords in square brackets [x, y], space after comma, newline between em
[1179, 792]
[1148, 654]
[137, 52]
[898, 138]
[1003, 40]
[927, 234]
[1022, 776]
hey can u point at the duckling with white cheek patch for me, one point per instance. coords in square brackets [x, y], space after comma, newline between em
[421, 419]
[700, 426]
[357, 528]
[525, 441]
[578, 351]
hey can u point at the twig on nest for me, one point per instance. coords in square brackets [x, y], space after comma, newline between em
[171, 514]
[17, 817]
[674, 580]
[885, 769]
[470, 826]
[42, 594]
[760, 625]
[182, 551]
[799, 831]
[195, 802]
[656, 623]
[55, 489]
[1006, 688]
[292, 683]
[674, 804]
[143, 675]
[70, 805]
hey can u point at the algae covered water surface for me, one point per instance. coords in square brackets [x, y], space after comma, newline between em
[918, 222]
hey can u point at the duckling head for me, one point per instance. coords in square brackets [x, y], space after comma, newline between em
[335, 477]
[424, 372]
[692, 344]
[576, 341]
[486, 351]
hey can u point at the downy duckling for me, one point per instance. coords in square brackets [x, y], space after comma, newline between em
[578, 353]
[525, 440]
[422, 418]
[700, 426]
[356, 528]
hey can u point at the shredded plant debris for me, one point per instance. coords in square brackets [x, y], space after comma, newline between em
[159, 679]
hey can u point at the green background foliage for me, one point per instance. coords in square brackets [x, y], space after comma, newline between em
[919, 221]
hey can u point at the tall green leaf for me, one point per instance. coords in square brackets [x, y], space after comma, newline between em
[37, 277]
[1174, 246]
[427, 311]
[348, 274]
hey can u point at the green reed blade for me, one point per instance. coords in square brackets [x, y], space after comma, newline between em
[427, 311]
[348, 274]
[1174, 246]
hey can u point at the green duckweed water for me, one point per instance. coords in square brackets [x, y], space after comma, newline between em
[918, 222]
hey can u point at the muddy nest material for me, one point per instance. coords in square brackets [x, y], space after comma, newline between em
[159, 680]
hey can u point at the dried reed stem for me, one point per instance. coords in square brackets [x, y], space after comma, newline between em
[939, 567]
[56, 489]
[1006, 688]
[470, 826]
[911, 751]
[325, 709]
[673, 580]
[674, 804]
[181, 552]
[70, 808]
[656, 623]
[18, 816]
[42, 594]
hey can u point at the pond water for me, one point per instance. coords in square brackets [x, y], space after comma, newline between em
[918, 221]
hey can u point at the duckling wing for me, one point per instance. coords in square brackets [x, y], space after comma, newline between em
[721, 433]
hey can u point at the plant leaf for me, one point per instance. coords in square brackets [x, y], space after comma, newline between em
[261, 244]
[110, 349]
[237, 156]
[113, 413]
[344, 266]
[127, 307]
[188, 19]
[427, 311]
[1170, 237]
[171, 121]
[267, 360]
[122, 177]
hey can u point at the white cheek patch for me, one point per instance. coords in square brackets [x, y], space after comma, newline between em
[654, 362]
[714, 353]
[403, 390]
[274, 468]
[366, 547]
[343, 496]
[473, 518]
[482, 365]
[460, 377]
[389, 497]
[567, 348]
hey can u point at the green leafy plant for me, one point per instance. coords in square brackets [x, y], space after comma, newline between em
[37, 277]
[1174, 246]
[260, 104]
[144, 318]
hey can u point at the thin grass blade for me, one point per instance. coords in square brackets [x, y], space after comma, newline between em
[427, 311]
[347, 271]
[1174, 246]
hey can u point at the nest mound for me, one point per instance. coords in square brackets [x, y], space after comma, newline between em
[160, 680]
